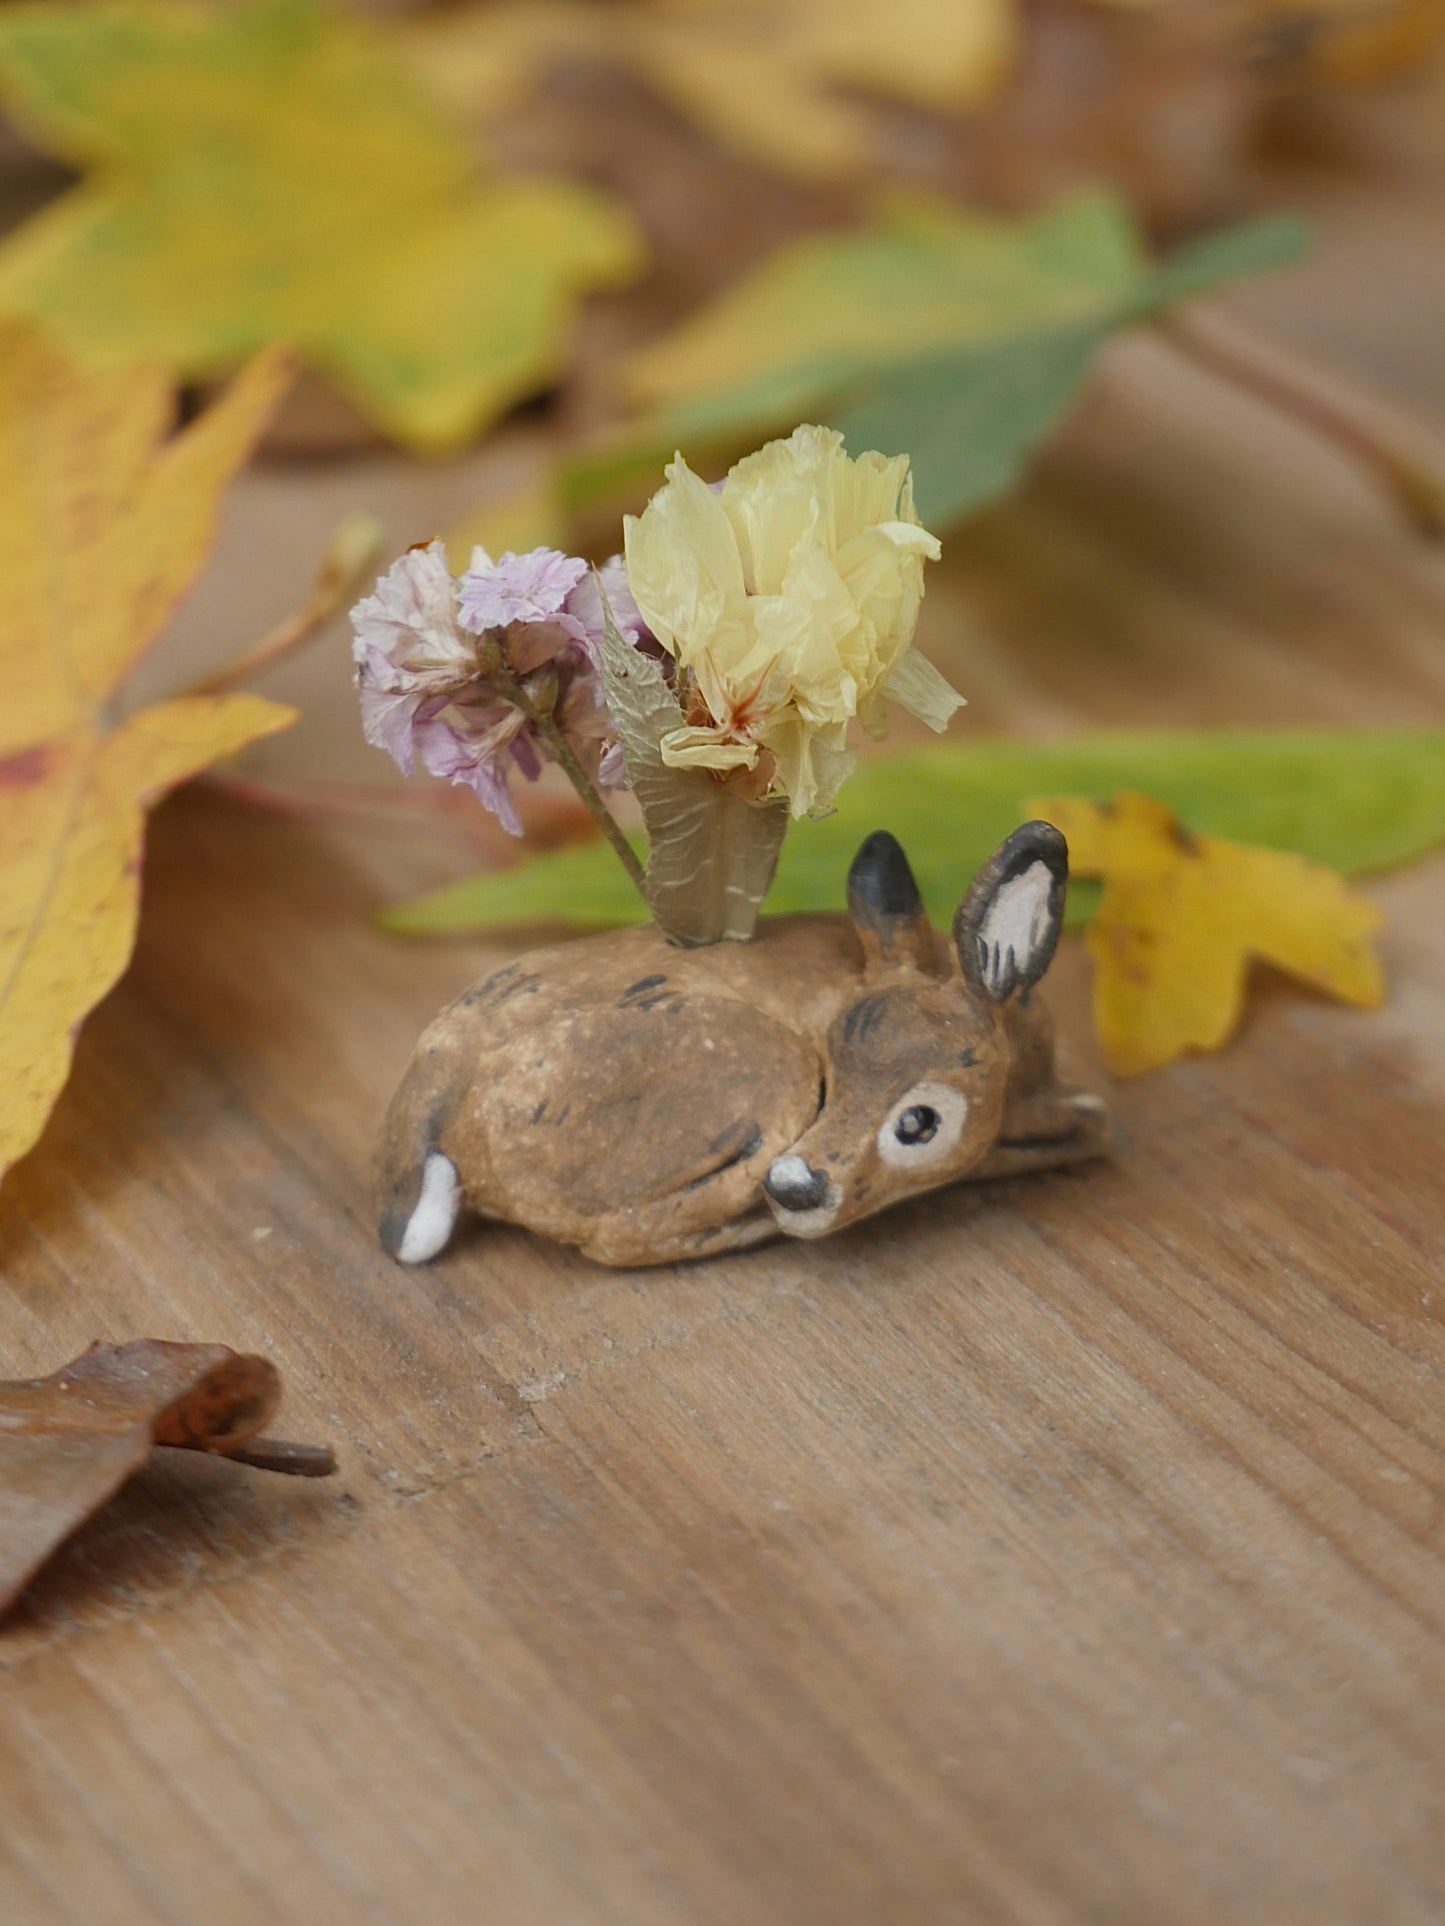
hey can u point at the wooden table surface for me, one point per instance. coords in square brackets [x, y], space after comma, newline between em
[1060, 1551]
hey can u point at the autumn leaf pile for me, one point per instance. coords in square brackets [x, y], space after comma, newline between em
[795, 86]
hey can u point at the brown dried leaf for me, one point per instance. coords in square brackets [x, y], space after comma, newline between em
[69, 1442]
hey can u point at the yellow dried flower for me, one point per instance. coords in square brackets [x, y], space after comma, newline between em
[789, 597]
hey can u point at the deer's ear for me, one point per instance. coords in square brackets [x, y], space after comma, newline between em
[1007, 927]
[886, 908]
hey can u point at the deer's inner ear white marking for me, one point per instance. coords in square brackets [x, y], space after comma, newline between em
[923, 1127]
[435, 1216]
[1014, 928]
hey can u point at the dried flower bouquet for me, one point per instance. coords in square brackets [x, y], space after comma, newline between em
[717, 670]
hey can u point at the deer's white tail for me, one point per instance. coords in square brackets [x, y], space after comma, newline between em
[420, 1192]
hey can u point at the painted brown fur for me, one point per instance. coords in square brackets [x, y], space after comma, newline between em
[650, 1104]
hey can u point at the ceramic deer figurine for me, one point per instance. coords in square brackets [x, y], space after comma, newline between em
[650, 1104]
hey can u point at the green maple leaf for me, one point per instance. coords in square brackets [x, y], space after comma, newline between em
[959, 338]
[274, 173]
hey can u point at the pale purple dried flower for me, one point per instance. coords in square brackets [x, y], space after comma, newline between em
[585, 603]
[519, 588]
[426, 695]
[409, 653]
[482, 757]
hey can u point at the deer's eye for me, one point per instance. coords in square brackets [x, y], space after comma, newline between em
[918, 1124]
[923, 1127]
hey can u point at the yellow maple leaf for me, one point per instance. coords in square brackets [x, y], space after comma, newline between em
[1181, 918]
[103, 524]
[761, 76]
[272, 172]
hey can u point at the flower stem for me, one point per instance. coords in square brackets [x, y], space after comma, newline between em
[544, 720]
[550, 730]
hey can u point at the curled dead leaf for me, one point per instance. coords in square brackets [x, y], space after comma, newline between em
[69, 1441]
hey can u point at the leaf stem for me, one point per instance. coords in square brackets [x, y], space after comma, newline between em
[351, 551]
[1355, 421]
[280, 1454]
[544, 720]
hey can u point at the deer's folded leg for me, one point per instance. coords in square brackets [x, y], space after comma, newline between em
[637, 1240]
[1052, 1126]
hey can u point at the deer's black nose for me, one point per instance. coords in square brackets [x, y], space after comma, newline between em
[793, 1184]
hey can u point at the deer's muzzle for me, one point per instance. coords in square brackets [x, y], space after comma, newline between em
[793, 1185]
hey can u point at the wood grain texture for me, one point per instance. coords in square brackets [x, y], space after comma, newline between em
[1063, 1551]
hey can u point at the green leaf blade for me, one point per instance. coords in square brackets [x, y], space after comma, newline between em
[570, 888]
[1360, 802]
[971, 422]
[1231, 254]
[958, 338]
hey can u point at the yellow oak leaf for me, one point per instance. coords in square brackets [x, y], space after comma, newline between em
[103, 524]
[764, 77]
[1181, 918]
[274, 172]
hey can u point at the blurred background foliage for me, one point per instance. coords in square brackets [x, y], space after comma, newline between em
[418, 196]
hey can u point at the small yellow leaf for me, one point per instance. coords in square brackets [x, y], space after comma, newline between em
[103, 524]
[1181, 918]
[759, 94]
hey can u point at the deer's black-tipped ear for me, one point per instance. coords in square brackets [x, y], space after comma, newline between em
[886, 907]
[1007, 927]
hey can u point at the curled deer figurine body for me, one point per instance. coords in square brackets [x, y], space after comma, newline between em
[650, 1104]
